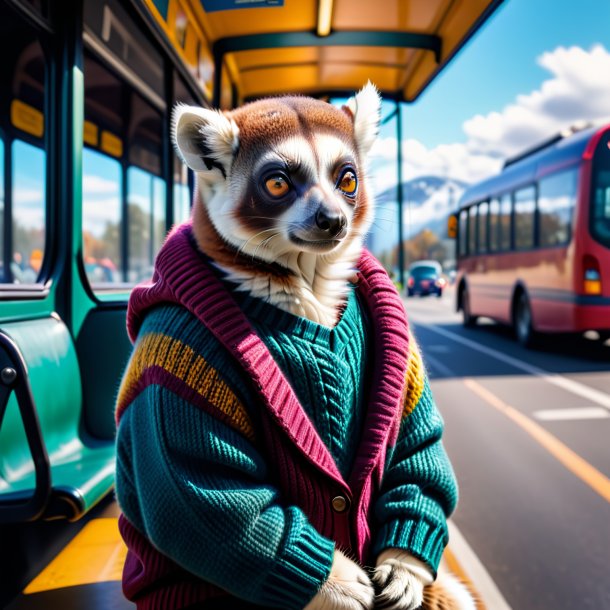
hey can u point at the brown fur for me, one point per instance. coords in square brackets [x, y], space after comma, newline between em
[216, 248]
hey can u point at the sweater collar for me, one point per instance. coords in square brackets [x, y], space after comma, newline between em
[182, 276]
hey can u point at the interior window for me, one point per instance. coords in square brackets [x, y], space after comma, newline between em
[145, 197]
[29, 211]
[23, 155]
[102, 179]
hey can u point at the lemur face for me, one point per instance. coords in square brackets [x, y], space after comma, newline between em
[283, 175]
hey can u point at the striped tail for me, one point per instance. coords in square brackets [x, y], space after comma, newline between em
[447, 592]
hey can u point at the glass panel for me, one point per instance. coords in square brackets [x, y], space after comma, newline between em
[599, 221]
[101, 218]
[463, 233]
[29, 211]
[505, 222]
[145, 193]
[182, 194]
[556, 202]
[525, 210]
[482, 224]
[494, 225]
[472, 230]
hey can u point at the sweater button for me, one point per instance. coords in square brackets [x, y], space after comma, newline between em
[340, 504]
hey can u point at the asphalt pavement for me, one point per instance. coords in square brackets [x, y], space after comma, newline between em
[528, 434]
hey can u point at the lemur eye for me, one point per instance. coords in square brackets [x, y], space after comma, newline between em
[277, 186]
[348, 183]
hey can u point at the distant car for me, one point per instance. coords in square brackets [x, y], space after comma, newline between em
[425, 277]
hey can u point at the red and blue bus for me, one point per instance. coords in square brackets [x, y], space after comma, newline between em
[533, 243]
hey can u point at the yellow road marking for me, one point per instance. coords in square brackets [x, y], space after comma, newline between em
[572, 461]
[454, 566]
[95, 554]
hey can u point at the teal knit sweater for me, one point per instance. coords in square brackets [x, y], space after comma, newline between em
[192, 482]
[326, 368]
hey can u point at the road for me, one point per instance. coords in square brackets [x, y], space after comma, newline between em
[528, 435]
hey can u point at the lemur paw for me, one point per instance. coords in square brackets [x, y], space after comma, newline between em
[347, 588]
[398, 588]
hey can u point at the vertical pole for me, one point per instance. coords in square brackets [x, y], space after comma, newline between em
[401, 248]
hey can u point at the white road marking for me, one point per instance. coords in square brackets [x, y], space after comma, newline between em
[591, 394]
[571, 414]
[437, 365]
[471, 564]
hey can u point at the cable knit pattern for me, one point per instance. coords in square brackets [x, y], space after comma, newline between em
[225, 467]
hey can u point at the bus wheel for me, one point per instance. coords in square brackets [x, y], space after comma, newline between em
[468, 320]
[522, 321]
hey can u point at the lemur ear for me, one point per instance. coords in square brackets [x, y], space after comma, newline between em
[205, 139]
[365, 110]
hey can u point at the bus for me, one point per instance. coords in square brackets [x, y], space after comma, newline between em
[533, 242]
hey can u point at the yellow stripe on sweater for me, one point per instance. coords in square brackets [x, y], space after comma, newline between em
[181, 361]
[415, 378]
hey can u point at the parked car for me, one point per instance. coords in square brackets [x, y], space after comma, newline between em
[425, 277]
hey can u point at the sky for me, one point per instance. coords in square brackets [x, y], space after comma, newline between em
[536, 67]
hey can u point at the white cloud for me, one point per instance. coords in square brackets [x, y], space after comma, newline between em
[577, 91]
[95, 185]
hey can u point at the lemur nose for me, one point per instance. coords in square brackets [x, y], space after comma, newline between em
[330, 222]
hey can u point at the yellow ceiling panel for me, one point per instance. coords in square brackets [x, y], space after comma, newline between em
[390, 56]
[405, 15]
[295, 15]
[247, 60]
[353, 77]
[280, 81]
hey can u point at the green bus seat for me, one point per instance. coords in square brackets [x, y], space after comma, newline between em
[49, 467]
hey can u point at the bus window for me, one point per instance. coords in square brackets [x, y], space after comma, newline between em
[145, 221]
[23, 154]
[556, 202]
[601, 208]
[472, 230]
[494, 225]
[525, 210]
[29, 211]
[463, 234]
[482, 225]
[102, 179]
[505, 222]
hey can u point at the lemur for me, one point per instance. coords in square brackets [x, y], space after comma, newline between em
[283, 208]
[281, 211]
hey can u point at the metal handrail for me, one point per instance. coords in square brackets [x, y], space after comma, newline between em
[14, 377]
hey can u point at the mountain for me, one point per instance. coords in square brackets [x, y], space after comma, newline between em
[418, 190]
[427, 203]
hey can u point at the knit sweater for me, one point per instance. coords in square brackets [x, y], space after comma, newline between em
[225, 479]
[326, 368]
